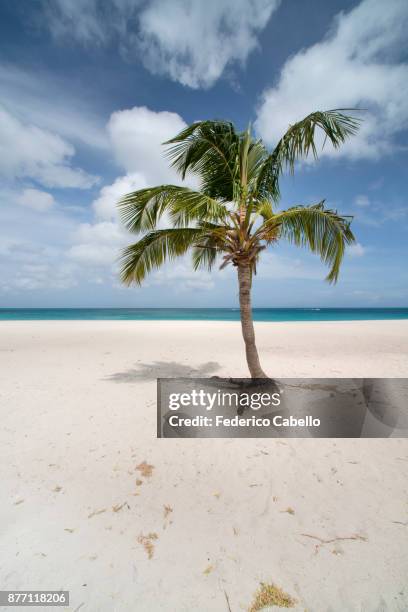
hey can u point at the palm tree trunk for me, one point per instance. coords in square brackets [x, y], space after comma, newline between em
[245, 282]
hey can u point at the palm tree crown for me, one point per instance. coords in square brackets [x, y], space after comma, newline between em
[234, 213]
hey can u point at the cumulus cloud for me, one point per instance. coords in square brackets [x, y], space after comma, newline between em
[137, 137]
[36, 199]
[189, 41]
[29, 151]
[357, 65]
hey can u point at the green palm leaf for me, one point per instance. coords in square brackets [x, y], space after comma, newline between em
[154, 249]
[214, 241]
[299, 140]
[322, 230]
[209, 149]
[141, 210]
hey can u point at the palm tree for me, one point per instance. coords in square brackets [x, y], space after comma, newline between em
[234, 213]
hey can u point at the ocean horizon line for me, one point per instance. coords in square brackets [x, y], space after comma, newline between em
[265, 314]
[2, 308]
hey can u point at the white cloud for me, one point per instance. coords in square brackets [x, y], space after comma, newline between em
[94, 254]
[190, 41]
[193, 42]
[356, 250]
[356, 65]
[97, 244]
[362, 200]
[35, 199]
[105, 205]
[33, 247]
[31, 278]
[29, 151]
[105, 231]
[137, 137]
[29, 266]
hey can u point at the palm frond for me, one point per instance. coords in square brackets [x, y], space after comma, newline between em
[205, 254]
[299, 140]
[264, 209]
[141, 210]
[156, 247]
[265, 183]
[320, 229]
[257, 154]
[193, 206]
[209, 149]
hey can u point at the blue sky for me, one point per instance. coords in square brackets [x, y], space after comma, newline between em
[90, 88]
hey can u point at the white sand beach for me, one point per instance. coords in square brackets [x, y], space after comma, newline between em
[325, 520]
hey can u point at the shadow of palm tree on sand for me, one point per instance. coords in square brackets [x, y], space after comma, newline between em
[164, 369]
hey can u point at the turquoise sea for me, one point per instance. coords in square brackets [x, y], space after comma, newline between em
[201, 314]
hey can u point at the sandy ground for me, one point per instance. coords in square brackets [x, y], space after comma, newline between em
[78, 414]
